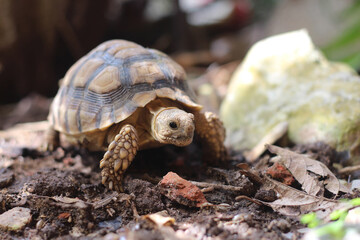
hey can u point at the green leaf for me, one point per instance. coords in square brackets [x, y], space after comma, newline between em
[335, 229]
[310, 220]
[338, 214]
[350, 35]
[352, 10]
[355, 202]
[353, 60]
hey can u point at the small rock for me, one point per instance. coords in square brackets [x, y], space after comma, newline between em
[40, 224]
[281, 224]
[353, 216]
[6, 177]
[266, 195]
[112, 224]
[181, 190]
[15, 219]
[242, 217]
[355, 184]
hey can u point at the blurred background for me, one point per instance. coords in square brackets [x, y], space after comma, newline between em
[41, 39]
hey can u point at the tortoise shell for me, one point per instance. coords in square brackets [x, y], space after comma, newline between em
[109, 83]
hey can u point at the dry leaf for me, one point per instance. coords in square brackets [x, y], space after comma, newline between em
[159, 220]
[292, 202]
[308, 172]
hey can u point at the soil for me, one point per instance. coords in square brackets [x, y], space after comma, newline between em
[64, 193]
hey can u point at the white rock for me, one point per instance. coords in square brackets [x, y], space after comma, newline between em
[284, 78]
[15, 219]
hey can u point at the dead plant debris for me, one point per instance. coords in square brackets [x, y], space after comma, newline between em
[63, 191]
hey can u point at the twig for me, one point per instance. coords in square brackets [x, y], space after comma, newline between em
[349, 170]
[133, 206]
[238, 198]
[153, 180]
[105, 201]
[218, 186]
[208, 189]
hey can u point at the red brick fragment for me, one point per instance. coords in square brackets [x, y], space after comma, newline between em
[181, 190]
[68, 161]
[281, 173]
[63, 215]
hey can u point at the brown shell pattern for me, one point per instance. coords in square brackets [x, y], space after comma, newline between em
[108, 84]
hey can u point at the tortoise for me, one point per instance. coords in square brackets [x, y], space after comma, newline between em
[121, 98]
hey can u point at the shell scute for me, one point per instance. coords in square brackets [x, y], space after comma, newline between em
[86, 71]
[106, 81]
[146, 72]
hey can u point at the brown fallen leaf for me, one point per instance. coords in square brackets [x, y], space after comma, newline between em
[159, 219]
[292, 202]
[308, 172]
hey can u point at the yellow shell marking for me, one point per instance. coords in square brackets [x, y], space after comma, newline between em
[143, 98]
[85, 72]
[130, 52]
[106, 81]
[121, 46]
[166, 93]
[146, 72]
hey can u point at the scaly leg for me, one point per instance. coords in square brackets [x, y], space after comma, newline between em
[118, 157]
[212, 133]
[52, 140]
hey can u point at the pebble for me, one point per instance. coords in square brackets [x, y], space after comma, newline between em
[112, 225]
[282, 224]
[15, 219]
[355, 184]
[6, 177]
[353, 216]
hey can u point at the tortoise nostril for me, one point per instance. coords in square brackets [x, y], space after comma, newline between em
[190, 129]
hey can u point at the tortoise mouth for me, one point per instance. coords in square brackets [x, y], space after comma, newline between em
[180, 141]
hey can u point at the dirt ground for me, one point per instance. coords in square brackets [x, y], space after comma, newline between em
[66, 199]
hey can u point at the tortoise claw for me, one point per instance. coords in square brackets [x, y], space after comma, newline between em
[51, 141]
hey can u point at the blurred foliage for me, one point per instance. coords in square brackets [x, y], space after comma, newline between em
[346, 47]
[337, 228]
[263, 8]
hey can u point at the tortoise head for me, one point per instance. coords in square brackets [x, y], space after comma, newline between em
[173, 126]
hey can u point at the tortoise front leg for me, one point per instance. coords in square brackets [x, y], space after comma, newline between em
[118, 157]
[212, 133]
[52, 139]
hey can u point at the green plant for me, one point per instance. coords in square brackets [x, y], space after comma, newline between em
[346, 47]
[335, 229]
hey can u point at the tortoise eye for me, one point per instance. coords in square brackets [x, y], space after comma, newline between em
[173, 125]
